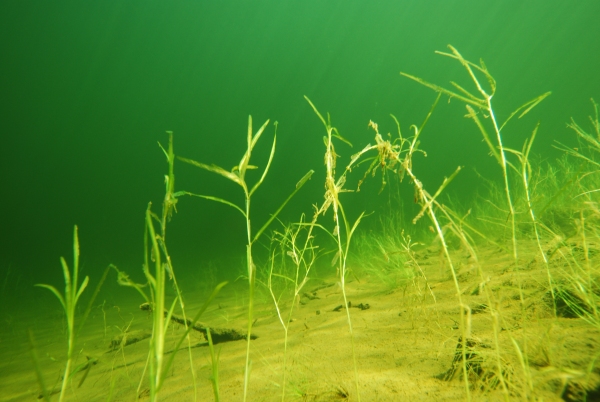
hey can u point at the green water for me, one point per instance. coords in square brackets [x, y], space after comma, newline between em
[88, 88]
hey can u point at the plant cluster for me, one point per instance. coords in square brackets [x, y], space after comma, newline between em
[552, 207]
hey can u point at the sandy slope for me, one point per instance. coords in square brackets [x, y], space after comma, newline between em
[405, 341]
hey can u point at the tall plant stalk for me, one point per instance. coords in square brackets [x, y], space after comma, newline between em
[158, 269]
[482, 101]
[343, 230]
[296, 242]
[69, 301]
[238, 176]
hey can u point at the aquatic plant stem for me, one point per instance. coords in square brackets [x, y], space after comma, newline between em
[215, 366]
[427, 201]
[251, 276]
[69, 303]
[170, 205]
[284, 324]
[157, 341]
[498, 150]
[238, 176]
[509, 200]
[288, 241]
[333, 187]
[342, 274]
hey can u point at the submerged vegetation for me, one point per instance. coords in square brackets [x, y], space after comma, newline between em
[510, 271]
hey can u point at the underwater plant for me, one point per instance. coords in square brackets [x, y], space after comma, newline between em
[156, 252]
[480, 109]
[395, 156]
[214, 378]
[496, 304]
[296, 242]
[343, 228]
[581, 292]
[68, 301]
[238, 176]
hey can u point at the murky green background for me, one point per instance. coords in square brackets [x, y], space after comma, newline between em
[88, 88]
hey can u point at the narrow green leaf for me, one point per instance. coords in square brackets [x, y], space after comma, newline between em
[305, 178]
[170, 314]
[284, 277]
[259, 133]
[428, 203]
[354, 226]
[468, 65]
[317, 112]
[274, 215]
[215, 365]
[526, 107]
[534, 102]
[252, 140]
[56, 293]
[213, 168]
[433, 106]
[262, 178]
[467, 93]
[335, 133]
[75, 255]
[163, 149]
[475, 102]
[82, 288]
[67, 276]
[216, 199]
[529, 144]
[246, 157]
[473, 115]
